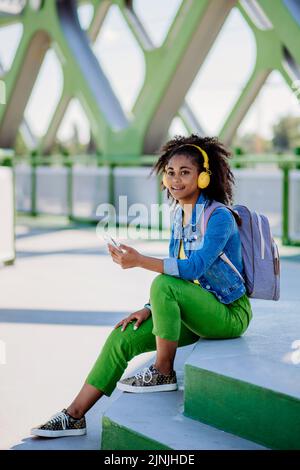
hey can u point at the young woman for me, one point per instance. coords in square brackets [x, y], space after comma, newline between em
[196, 293]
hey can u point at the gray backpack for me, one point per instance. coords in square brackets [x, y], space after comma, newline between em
[259, 251]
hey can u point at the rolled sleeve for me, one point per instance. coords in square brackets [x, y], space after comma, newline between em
[171, 266]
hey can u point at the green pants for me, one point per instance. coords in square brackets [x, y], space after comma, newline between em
[181, 311]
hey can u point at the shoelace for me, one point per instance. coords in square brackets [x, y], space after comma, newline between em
[62, 417]
[143, 374]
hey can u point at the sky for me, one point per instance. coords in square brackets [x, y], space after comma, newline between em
[211, 95]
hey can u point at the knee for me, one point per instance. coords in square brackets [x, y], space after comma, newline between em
[118, 342]
[115, 337]
[160, 284]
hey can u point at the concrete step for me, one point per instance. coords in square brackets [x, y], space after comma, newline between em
[250, 386]
[155, 421]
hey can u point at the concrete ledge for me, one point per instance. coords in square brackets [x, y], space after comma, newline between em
[155, 421]
[250, 386]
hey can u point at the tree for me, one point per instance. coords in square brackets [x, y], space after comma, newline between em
[286, 133]
[252, 143]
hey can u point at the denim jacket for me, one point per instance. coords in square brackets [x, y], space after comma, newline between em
[203, 262]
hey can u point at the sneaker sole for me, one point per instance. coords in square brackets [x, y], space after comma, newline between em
[67, 432]
[146, 389]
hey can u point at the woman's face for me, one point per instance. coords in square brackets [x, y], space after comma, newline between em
[182, 177]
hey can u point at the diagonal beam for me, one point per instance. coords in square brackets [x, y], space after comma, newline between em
[87, 65]
[59, 20]
[243, 104]
[190, 121]
[270, 56]
[285, 17]
[197, 22]
[292, 68]
[6, 20]
[19, 83]
[145, 42]
[48, 140]
[28, 137]
[100, 10]
[136, 26]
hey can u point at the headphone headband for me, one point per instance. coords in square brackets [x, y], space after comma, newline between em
[204, 154]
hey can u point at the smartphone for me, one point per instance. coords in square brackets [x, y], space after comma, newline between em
[112, 241]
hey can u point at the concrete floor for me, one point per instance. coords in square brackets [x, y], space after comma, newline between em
[58, 304]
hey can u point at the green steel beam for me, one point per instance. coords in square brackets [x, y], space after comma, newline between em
[270, 56]
[158, 101]
[46, 143]
[51, 25]
[100, 10]
[146, 44]
[285, 24]
[243, 104]
[161, 98]
[7, 19]
[178, 62]
[19, 80]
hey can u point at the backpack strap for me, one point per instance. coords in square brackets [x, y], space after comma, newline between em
[203, 224]
[210, 209]
[206, 215]
[227, 260]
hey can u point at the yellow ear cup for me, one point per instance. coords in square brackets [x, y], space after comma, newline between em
[204, 177]
[203, 180]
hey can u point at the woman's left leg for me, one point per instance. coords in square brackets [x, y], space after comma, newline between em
[120, 347]
[174, 300]
[176, 303]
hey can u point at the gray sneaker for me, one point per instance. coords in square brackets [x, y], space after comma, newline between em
[60, 425]
[149, 380]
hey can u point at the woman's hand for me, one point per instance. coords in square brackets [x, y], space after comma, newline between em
[127, 258]
[140, 315]
[131, 258]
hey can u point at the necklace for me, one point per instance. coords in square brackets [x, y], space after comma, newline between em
[193, 225]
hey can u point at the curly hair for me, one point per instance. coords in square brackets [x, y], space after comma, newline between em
[221, 180]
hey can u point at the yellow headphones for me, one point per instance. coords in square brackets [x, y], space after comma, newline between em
[204, 177]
